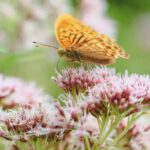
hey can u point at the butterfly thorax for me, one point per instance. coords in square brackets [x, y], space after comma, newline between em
[70, 54]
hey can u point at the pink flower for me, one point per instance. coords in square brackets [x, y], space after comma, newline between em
[141, 141]
[80, 79]
[76, 79]
[123, 92]
[87, 127]
[38, 16]
[137, 128]
[138, 136]
[70, 110]
[94, 14]
[34, 122]
[90, 125]
[15, 92]
[7, 10]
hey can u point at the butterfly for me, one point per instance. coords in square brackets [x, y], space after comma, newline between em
[81, 43]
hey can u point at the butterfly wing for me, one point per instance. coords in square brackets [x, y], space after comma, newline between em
[67, 30]
[73, 35]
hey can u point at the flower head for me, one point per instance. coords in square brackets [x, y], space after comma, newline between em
[75, 79]
[15, 92]
[96, 11]
[80, 79]
[34, 122]
[121, 91]
[141, 141]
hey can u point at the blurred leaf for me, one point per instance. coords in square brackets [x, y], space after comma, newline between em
[1, 49]
[136, 5]
[75, 5]
[6, 61]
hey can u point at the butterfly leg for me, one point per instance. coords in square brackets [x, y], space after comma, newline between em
[77, 56]
[87, 66]
[90, 66]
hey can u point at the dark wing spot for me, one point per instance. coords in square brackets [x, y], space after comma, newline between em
[78, 38]
[75, 35]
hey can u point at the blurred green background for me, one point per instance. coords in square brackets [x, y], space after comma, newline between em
[25, 21]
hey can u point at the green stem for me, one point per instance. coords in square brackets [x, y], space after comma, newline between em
[112, 127]
[101, 123]
[129, 124]
[106, 122]
[87, 144]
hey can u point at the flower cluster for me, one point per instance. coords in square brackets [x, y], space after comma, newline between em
[44, 120]
[141, 140]
[28, 22]
[79, 79]
[49, 122]
[75, 79]
[96, 101]
[98, 19]
[33, 13]
[103, 84]
[15, 92]
[138, 135]
[110, 97]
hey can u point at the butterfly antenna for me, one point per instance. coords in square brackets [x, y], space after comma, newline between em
[37, 44]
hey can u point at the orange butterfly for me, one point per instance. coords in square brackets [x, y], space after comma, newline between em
[82, 43]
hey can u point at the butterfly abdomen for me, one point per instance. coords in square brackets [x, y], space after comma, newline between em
[123, 54]
[98, 61]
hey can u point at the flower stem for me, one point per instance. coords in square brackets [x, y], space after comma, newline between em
[112, 127]
[87, 144]
[131, 120]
